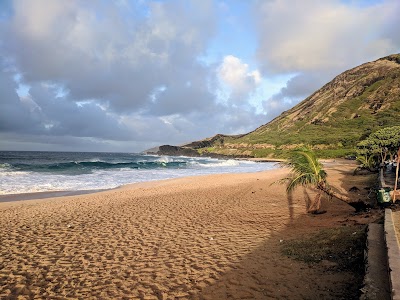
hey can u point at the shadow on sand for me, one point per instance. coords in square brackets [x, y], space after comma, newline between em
[266, 273]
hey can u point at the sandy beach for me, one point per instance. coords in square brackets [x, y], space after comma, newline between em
[206, 237]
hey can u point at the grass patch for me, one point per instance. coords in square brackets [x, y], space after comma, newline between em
[344, 246]
[206, 150]
[267, 153]
[334, 153]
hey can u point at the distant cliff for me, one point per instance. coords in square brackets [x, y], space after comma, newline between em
[191, 152]
[176, 151]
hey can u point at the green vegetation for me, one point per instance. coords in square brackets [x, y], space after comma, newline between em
[335, 153]
[263, 152]
[206, 150]
[258, 153]
[375, 149]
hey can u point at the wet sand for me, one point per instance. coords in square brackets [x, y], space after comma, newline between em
[43, 195]
[207, 237]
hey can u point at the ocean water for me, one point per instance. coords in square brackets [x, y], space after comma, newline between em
[27, 172]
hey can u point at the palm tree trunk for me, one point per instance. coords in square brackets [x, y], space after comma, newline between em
[357, 205]
[316, 204]
[331, 193]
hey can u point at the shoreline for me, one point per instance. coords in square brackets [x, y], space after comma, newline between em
[15, 189]
[45, 195]
[65, 193]
[60, 194]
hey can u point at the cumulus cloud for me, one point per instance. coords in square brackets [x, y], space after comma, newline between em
[330, 35]
[296, 89]
[119, 72]
[236, 76]
[95, 53]
[108, 61]
[317, 40]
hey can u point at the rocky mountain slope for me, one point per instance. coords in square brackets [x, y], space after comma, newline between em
[333, 119]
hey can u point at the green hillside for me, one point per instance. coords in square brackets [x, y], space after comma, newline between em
[332, 120]
[350, 107]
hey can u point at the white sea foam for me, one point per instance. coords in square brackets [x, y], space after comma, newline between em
[14, 182]
[222, 163]
[164, 159]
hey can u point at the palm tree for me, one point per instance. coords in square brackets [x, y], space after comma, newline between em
[307, 171]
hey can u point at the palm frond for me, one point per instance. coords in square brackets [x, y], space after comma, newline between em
[301, 180]
[305, 168]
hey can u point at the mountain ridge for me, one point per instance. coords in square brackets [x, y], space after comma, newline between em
[345, 110]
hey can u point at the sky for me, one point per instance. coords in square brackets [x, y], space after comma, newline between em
[126, 76]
